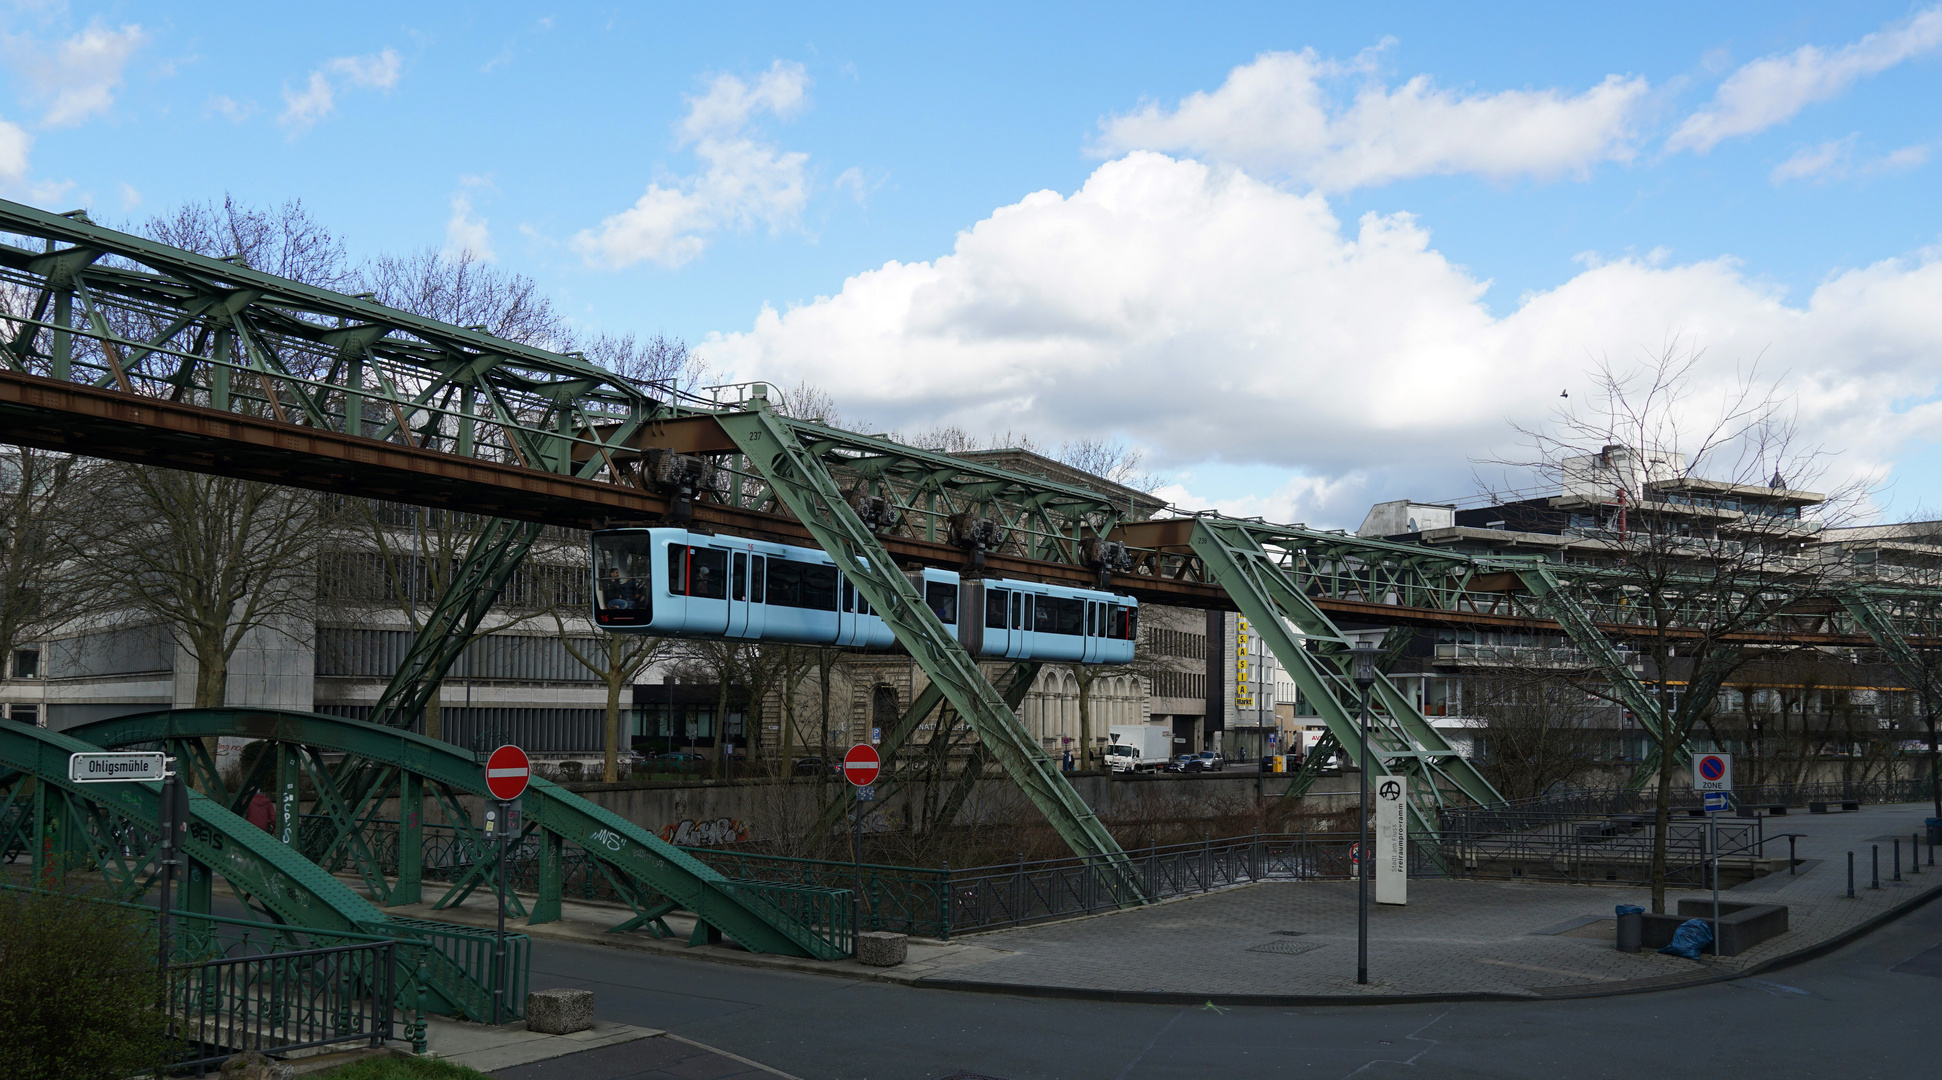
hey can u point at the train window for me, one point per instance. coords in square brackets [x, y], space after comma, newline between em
[708, 573]
[995, 602]
[800, 585]
[1058, 615]
[678, 569]
[755, 590]
[623, 573]
[1018, 611]
[1119, 622]
[738, 581]
[1092, 617]
[943, 599]
[849, 595]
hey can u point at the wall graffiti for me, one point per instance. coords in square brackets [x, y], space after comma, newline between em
[691, 833]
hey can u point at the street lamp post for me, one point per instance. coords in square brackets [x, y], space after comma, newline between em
[1364, 673]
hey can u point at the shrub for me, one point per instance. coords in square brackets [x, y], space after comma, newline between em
[78, 989]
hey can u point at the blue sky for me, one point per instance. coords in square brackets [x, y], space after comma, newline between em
[1307, 258]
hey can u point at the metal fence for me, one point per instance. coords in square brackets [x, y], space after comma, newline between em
[280, 1002]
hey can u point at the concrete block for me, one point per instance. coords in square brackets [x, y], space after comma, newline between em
[559, 1012]
[1741, 926]
[881, 948]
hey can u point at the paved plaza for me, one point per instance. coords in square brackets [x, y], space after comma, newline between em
[1455, 937]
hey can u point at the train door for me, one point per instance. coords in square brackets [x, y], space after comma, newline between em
[704, 580]
[758, 595]
[846, 606]
[1095, 629]
[1022, 637]
[738, 603]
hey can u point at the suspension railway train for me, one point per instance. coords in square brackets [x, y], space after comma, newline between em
[685, 584]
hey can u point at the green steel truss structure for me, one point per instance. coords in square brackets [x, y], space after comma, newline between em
[797, 477]
[103, 308]
[1259, 566]
[119, 315]
[110, 833]
[369, 821]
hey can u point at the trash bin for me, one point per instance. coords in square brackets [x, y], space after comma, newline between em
[1935, 830]
[1631, 928]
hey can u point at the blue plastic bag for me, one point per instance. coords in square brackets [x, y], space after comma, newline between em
[1630, 909]
[1690, 939]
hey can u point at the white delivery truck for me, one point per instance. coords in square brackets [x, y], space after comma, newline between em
[1138, 747]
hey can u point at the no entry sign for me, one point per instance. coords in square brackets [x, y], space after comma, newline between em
[861, 765]
[507, 772]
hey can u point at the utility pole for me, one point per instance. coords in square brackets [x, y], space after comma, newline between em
[1365, 681]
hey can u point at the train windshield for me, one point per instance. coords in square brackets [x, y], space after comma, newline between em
[623, 593]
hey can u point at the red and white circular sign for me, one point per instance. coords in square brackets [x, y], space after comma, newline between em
[507, 771]
[861, 765]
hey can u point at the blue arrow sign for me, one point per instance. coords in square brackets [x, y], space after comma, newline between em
[1715, 801]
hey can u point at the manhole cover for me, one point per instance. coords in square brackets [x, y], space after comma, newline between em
[1287, 948]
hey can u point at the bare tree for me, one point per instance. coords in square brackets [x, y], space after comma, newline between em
[39, 502]
[1696, 501]
[1540, 729]
[212, 557]
[616, 659]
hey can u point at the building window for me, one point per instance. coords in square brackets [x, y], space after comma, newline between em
[26, 664]
[25, 714]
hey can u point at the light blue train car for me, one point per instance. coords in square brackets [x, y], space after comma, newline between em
[676, 583]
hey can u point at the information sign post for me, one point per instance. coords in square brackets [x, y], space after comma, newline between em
[507, 773]
[1713, 779]
[172, 817]
[860, 767]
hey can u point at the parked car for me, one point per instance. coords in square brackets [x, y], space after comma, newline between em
[812, 766]
[680, 761]
[1187, 763]
[1211, 761]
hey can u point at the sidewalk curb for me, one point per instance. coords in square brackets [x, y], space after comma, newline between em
[1168, 997]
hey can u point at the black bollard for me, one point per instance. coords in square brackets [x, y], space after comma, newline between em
[1914, 853]
[1898, 858]
[1874, 862]
[1850, 875]
[1790, 853]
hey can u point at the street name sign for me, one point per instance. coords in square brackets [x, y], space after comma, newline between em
[862, 764]
[1712, 772]
[507, 773]
[102, 768]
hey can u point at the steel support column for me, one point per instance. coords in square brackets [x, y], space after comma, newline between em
[1314, 653]
[803, 485]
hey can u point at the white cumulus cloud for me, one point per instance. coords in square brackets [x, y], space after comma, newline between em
[745, 180]
[1834, 160]
[465, 233]
[317, 99]
[15, 143]
[1773, 89]
[75, 78]
[1277, 116]
[1212, 317]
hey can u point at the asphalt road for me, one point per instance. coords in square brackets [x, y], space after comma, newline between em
[1849, 1016]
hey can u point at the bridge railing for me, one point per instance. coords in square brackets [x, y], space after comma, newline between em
[283, 1001]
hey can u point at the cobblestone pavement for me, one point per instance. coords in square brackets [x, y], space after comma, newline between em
[1454, 937]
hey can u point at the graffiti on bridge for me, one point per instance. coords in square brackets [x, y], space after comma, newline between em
[691, 833]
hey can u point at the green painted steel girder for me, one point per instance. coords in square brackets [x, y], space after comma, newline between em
[290, 886]
[1312, 650]
[623, 847]
[802, 484]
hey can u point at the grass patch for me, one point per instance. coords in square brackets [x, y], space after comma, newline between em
[403, 1068]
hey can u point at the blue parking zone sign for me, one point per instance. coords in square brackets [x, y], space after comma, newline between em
[1715, 801]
